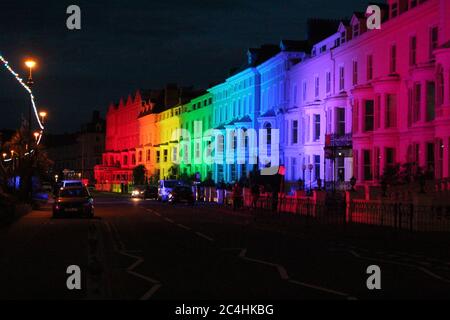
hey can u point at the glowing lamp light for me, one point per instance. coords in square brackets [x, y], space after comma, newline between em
[36, 135]
[42, 114]
[30, 64]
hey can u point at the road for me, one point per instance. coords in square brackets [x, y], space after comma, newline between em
[152, 251]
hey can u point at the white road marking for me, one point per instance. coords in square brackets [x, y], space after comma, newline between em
[422, 269]
[120, 248]
[204, 236]
[169, 220]
[182, 226]
[284, 275]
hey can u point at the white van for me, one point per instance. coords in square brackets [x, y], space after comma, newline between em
[71, 183]
[165, 187]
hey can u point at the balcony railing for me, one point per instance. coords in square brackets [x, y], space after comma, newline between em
[338, 141]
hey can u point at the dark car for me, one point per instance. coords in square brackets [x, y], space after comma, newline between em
[151, 193]
[181, 194]
[73, 201]
[145, 192]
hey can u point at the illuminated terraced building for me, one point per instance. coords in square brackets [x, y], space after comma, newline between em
[374, 98]
[348, 105]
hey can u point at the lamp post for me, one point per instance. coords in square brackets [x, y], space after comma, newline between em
[30, 64]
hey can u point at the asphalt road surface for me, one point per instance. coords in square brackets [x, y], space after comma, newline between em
[153, 251]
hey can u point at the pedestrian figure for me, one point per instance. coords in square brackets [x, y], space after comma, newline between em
[237, 196]
[255, 195]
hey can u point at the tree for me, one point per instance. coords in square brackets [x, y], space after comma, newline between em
[173, 172]
[139, 174]
[27, 164]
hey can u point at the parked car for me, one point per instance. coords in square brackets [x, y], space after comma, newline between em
[73, 201]
[181, 194]
[165, 187]
[145, 192]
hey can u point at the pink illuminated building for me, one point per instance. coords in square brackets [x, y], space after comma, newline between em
[372, 98]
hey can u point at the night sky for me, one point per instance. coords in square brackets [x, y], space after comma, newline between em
[126, 45]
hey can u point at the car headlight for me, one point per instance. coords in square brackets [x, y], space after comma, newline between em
[135, 193]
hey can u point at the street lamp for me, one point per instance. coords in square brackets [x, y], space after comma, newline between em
[30, 65]
[42, 114]
[36, 136]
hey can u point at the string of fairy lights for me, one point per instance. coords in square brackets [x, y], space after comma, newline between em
[39, 134]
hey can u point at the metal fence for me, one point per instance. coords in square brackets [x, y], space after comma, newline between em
[397, 215]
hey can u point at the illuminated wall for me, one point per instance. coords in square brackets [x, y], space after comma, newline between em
[196, 118]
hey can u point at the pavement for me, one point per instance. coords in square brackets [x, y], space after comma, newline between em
[146, 250]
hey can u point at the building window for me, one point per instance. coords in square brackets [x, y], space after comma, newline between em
[304, 90]
[390, 157]
[391, 111]
[340, 124]
[394, 10]
[367, 165]
[410, 106]
[413, 4]
[369, 67]
[355, 73]
[268, 128]
[440, 86]
[133, 159]
[413, 51]
[158, 156]
[295, 94]
[355, 30]
[165, 155]
[175, 154]
[148, 155]
[317, 167]
[377, 163]
[430, 159]
[328, 82]
[295, 131]
[293, 169]
[417, 102]
[393, 61]
[431, 101]
[316, 87]
[140, 156]
[355, 121]
[368, 115]
[316, 127]
[377, 114]
[341, 78]
[343, 37]
[125, 160]
[434, 40]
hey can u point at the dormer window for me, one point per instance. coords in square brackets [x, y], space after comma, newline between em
[394, 9]
[355, 30]
[343, 37]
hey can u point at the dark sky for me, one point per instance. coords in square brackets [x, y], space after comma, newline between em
[126, 45]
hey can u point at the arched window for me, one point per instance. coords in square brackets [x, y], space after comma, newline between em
[268, 127]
